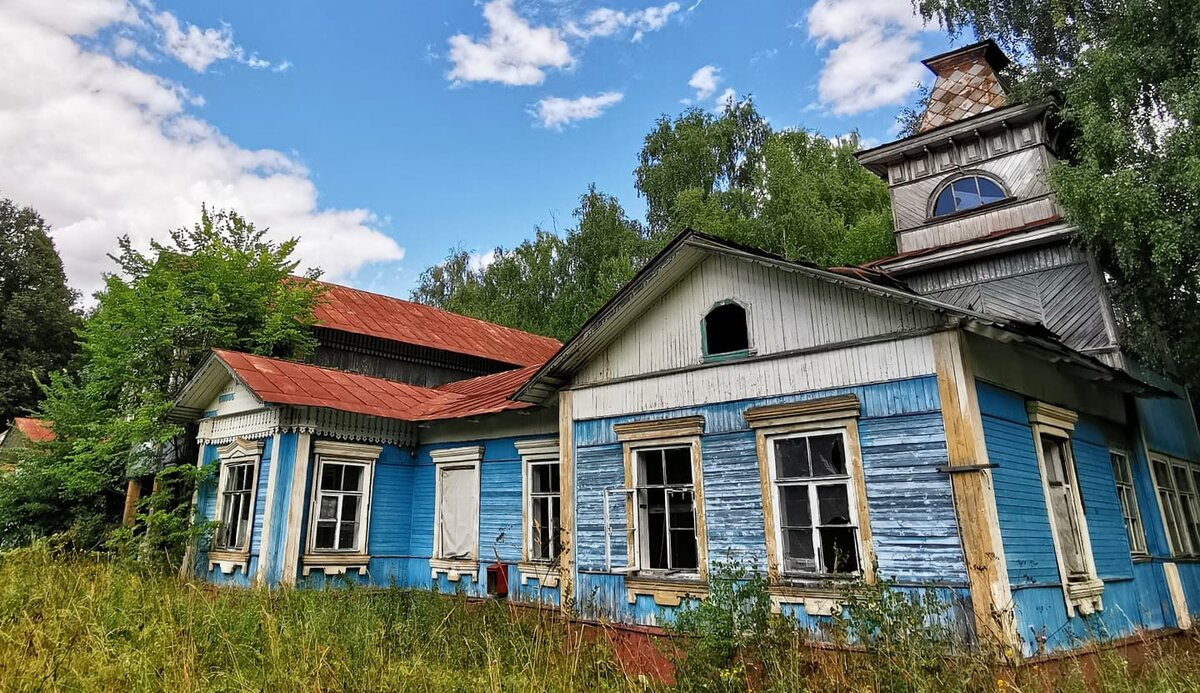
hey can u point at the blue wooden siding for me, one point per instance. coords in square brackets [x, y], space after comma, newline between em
[1102, 508]
[390, 531]
[914, 531]
[206, 503]
[272, 552]
[1170, 427]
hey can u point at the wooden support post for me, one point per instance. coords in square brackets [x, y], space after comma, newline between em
[566, 466]
[133, 491]
[974, 496]
[295, 511]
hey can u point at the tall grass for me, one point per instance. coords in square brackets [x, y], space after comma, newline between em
[80, 623]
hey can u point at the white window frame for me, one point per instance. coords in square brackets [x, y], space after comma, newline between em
[846, 480]
[641, 514]
[468, 457]
[335, 560]
[1046, 420]
[1135, 529]
[543, 451]
[239, 452]
[1181, 546]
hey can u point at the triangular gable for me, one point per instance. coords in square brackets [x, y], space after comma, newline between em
[688, 250]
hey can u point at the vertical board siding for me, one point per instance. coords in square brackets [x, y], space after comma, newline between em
[784, 311]
[912, 517]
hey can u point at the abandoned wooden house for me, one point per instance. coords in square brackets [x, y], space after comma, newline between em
[960, 416]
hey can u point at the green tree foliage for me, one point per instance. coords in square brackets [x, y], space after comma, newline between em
[790, 192]
[37, 321]
[217, 284]
[1128, 79]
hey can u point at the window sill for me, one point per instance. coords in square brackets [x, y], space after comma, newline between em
[1084, 597]
[729, 356]
[817, 598]
[454, 568]
[665, 590]
[545, 573]
[228, 561]
[334, 563]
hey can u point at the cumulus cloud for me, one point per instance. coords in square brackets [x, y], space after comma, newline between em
[102, 148]
[874, 62]
[726, 99]
[478, 262]
[514, 52]
[198, 48]
[604, 21]
[555, 112]
[705, 81]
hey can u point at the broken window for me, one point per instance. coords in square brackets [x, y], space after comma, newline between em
[1123, 477]
[543, 510]
[725, 331]
[666, 510]
[457, 511]
[814, 508]
[237, 504]
[341, 500]
[1065, 506]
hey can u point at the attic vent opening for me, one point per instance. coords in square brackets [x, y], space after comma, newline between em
[966, 193]
[725, 332]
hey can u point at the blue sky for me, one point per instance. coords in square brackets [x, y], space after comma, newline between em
[384, 133]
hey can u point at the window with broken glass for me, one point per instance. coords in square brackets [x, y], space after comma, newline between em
[341, 499]
[814, 504]
[666, 511]
[1066, 506]
[543, 511]
[1123, 478]
[237, 505]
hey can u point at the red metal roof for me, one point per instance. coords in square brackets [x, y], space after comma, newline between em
[276, 381]
[362, 312]
[36, 430]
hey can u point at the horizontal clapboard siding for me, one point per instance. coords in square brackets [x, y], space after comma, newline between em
[733, 500]
[391, 504]
[598, 468]
[1102, 508]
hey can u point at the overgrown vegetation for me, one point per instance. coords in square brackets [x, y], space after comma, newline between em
[791, 192]
[71, 621]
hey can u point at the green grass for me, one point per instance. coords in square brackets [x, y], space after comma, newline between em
[82, 623]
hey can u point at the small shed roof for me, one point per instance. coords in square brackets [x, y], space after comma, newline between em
[36, 430]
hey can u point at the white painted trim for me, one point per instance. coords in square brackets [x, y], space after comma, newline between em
[338, 452]
[268, 509]
[295, 510]
[239, 451]
[535, 451]
[1183, 618]
[454, 458]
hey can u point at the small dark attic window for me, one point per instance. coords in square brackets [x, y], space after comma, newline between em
[725, 331]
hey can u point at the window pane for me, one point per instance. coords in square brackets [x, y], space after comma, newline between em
[1118, 468]
[656, 529]
[325, 532]
[989, 191]
[331, 477]
[679, 465]
[328, 508]
[544, 478]
[684, 555]
[798, 555]
[791, 458]
[540, 531]
[1052, 452]
[352, 478]
[828, 455]
[1162, 474]
[553, 528]
[350, 507]
[1181, 480]
[348, 535]
[966, 193]
[682, 515]
[944, 204]
[838, 551]
[793, 501]
[834, 505]
[652, 471]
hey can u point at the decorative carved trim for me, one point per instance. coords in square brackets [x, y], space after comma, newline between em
[346, 426]
[240, 447]
[344, 450]
[665, 591]
[470, 454]
[821, 409]
[229, 561]
[455, 569]
[545, 573]
[334, 563]
[1085, 596]
[250, 425]
[659, 428]
[1050, 415]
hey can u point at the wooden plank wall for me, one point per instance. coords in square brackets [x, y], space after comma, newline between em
[785, 311]
[1054, 285]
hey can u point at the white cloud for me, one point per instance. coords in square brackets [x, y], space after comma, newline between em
[726, 99]
[555, 112]
[604, 21]
[125, 48]
[874, 62]
[705, 81]
[102, 148]
[199, 48]
[514, 52]
[478, 262]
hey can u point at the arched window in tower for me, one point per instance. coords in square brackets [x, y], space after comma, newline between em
[724, 331]
[967, 192]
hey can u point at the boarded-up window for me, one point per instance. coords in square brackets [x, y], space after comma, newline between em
[237, 503]
[814, 504]
[457, 511]
[1065, 506]
[725, 332]
[666, 512]
[1123, 478]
